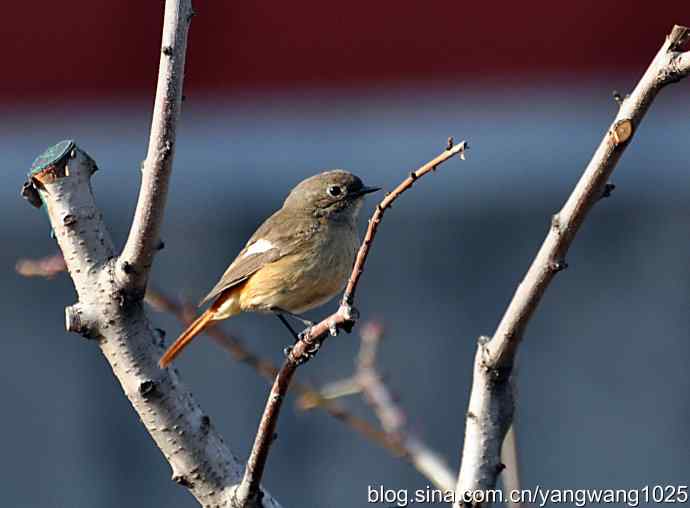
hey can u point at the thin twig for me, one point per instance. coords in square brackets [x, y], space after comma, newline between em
[46, 267]
[311, 339]
[144, 235]
[491, 400]
[376, 394]
[452, 150]
[392, 418]
[368, 381]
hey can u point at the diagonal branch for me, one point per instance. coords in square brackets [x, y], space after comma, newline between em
[682, 63]
[491, 400]
[367, 381]
[144, 236]
[566, 223]
[450, 151]
[248, 491]
[378, 396]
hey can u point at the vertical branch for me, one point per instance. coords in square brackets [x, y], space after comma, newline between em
[491, 400]
[144, 236]
[185, 435]
[110, 289]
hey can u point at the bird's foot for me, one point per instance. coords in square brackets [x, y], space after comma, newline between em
[309, 354]
[304, 357]
[305, 333]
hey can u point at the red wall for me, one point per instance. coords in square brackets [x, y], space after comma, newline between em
[77, 48]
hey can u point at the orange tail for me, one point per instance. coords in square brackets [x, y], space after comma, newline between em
[183, 340]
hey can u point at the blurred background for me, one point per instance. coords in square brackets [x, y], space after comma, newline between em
[279, 91]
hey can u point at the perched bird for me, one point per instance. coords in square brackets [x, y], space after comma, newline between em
[298, 259]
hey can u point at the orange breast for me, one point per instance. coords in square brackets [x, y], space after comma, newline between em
[295, 284]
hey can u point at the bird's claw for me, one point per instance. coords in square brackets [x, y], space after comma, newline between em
[309, 354]
[304, 333]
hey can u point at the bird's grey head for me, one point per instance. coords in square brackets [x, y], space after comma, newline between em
[335, 194]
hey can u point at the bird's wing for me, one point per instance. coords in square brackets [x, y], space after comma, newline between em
[278, 236]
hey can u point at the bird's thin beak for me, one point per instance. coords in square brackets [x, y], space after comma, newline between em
[368, 190]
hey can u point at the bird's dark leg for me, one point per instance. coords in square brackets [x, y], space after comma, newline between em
[297, 336]
[294, 334]
[299, 318]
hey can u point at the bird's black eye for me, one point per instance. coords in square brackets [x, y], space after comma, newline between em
[335, 191]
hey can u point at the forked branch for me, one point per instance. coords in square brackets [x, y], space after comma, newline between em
[491, 400]
[111, 289]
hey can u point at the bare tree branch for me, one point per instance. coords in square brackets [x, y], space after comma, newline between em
[199, 459]
[368, 381]
[47, 267]
[450, 151]
[248, 492]
[491, 400]
[144, 236]
[376, 393]
[566, 223]
[682, 64]
[111, 289]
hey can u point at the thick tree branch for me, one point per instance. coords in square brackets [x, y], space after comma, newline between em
[491, 400]
[199, 459]
[248, 491]
[137, 256]
[110, 289]
[682, 63]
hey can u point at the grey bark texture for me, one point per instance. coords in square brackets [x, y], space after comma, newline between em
[491, 401]
[111, 288]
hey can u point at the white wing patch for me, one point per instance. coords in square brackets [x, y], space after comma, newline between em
[258, 247]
